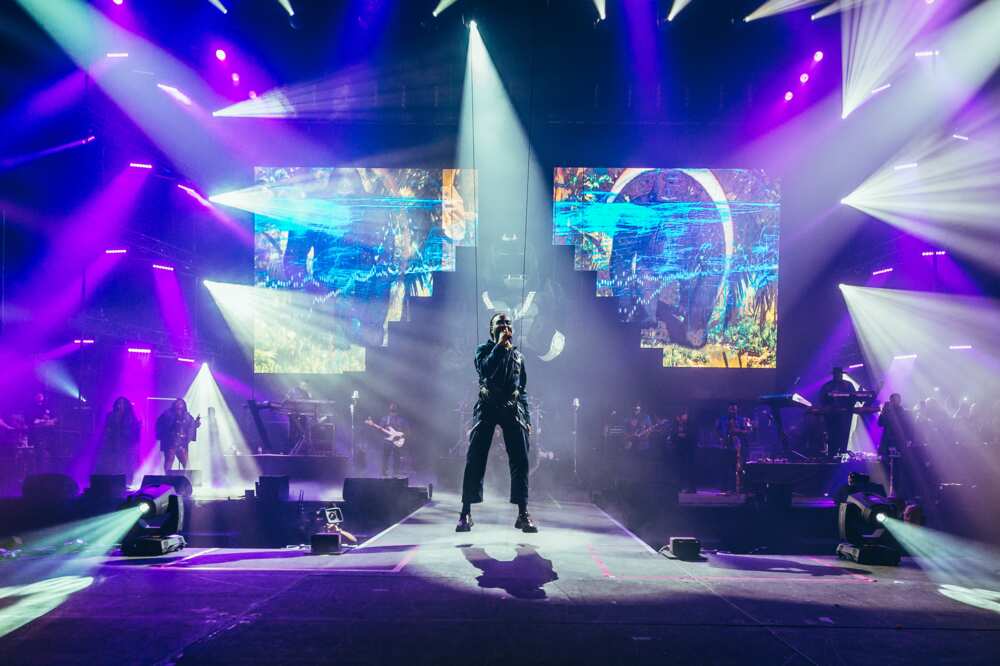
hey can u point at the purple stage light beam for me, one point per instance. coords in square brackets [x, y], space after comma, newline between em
[173, 307]
[74, 266]
[644, 46]
[10, 162]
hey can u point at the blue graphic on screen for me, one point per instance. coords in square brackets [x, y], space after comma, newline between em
[344, 248]
[691, 255]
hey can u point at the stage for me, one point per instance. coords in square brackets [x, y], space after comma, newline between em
[583, 589]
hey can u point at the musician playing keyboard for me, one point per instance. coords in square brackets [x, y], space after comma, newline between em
[837, 413]
[391, 454]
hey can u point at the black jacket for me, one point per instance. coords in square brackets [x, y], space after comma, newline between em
[502, 380]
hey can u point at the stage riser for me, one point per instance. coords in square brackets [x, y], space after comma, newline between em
[329, 469]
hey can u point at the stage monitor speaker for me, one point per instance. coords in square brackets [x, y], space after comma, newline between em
[685, 548]
[49, 488]
[181, 484]
[325, 543]
[272, 488]
[375, 498]
[107, 486]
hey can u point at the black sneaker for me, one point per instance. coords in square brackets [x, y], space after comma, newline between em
[464, 523]
[525, 524]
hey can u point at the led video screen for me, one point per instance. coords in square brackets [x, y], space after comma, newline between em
[338, 251]
[690, 255]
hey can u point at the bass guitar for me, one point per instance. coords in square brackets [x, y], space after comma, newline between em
[393, 436]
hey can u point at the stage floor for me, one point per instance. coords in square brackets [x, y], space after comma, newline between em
[582, 590]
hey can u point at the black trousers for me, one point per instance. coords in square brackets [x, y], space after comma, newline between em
[391, 454]
[838, 432]
[515, 440]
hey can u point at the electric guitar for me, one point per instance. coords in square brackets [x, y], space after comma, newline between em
[393, 436]
[633, 438]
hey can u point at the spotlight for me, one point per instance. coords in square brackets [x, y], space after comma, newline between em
[140, 350]
[789, 95]
[861, 512]
[882, 271]
[220, 55]
[185, 359]
[817, 56]
[803, 78]
[140, 165]
[163, 267]
[116, 250]
[161, 517]
[236, 79]
[118, 2]
[473, 25]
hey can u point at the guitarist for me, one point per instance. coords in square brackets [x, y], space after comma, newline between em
[637, 428]
[390, 452]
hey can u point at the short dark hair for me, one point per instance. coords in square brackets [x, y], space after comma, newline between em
[493, 319]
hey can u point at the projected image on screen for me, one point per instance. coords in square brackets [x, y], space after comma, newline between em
[338, 251]
[691, 255]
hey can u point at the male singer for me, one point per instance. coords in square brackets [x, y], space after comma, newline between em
[502, 402]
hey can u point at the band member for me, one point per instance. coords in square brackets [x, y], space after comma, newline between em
[637, 428]
[734, 429]
[299, 424]
[894, 421]
[120, 441]
[685, 445]
[175, 429]
[391, 453]
[502, 402]
[836, 414]
[41, 430]
[896, 436]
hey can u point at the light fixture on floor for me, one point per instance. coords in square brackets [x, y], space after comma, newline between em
[161, 518]
[863, 537]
